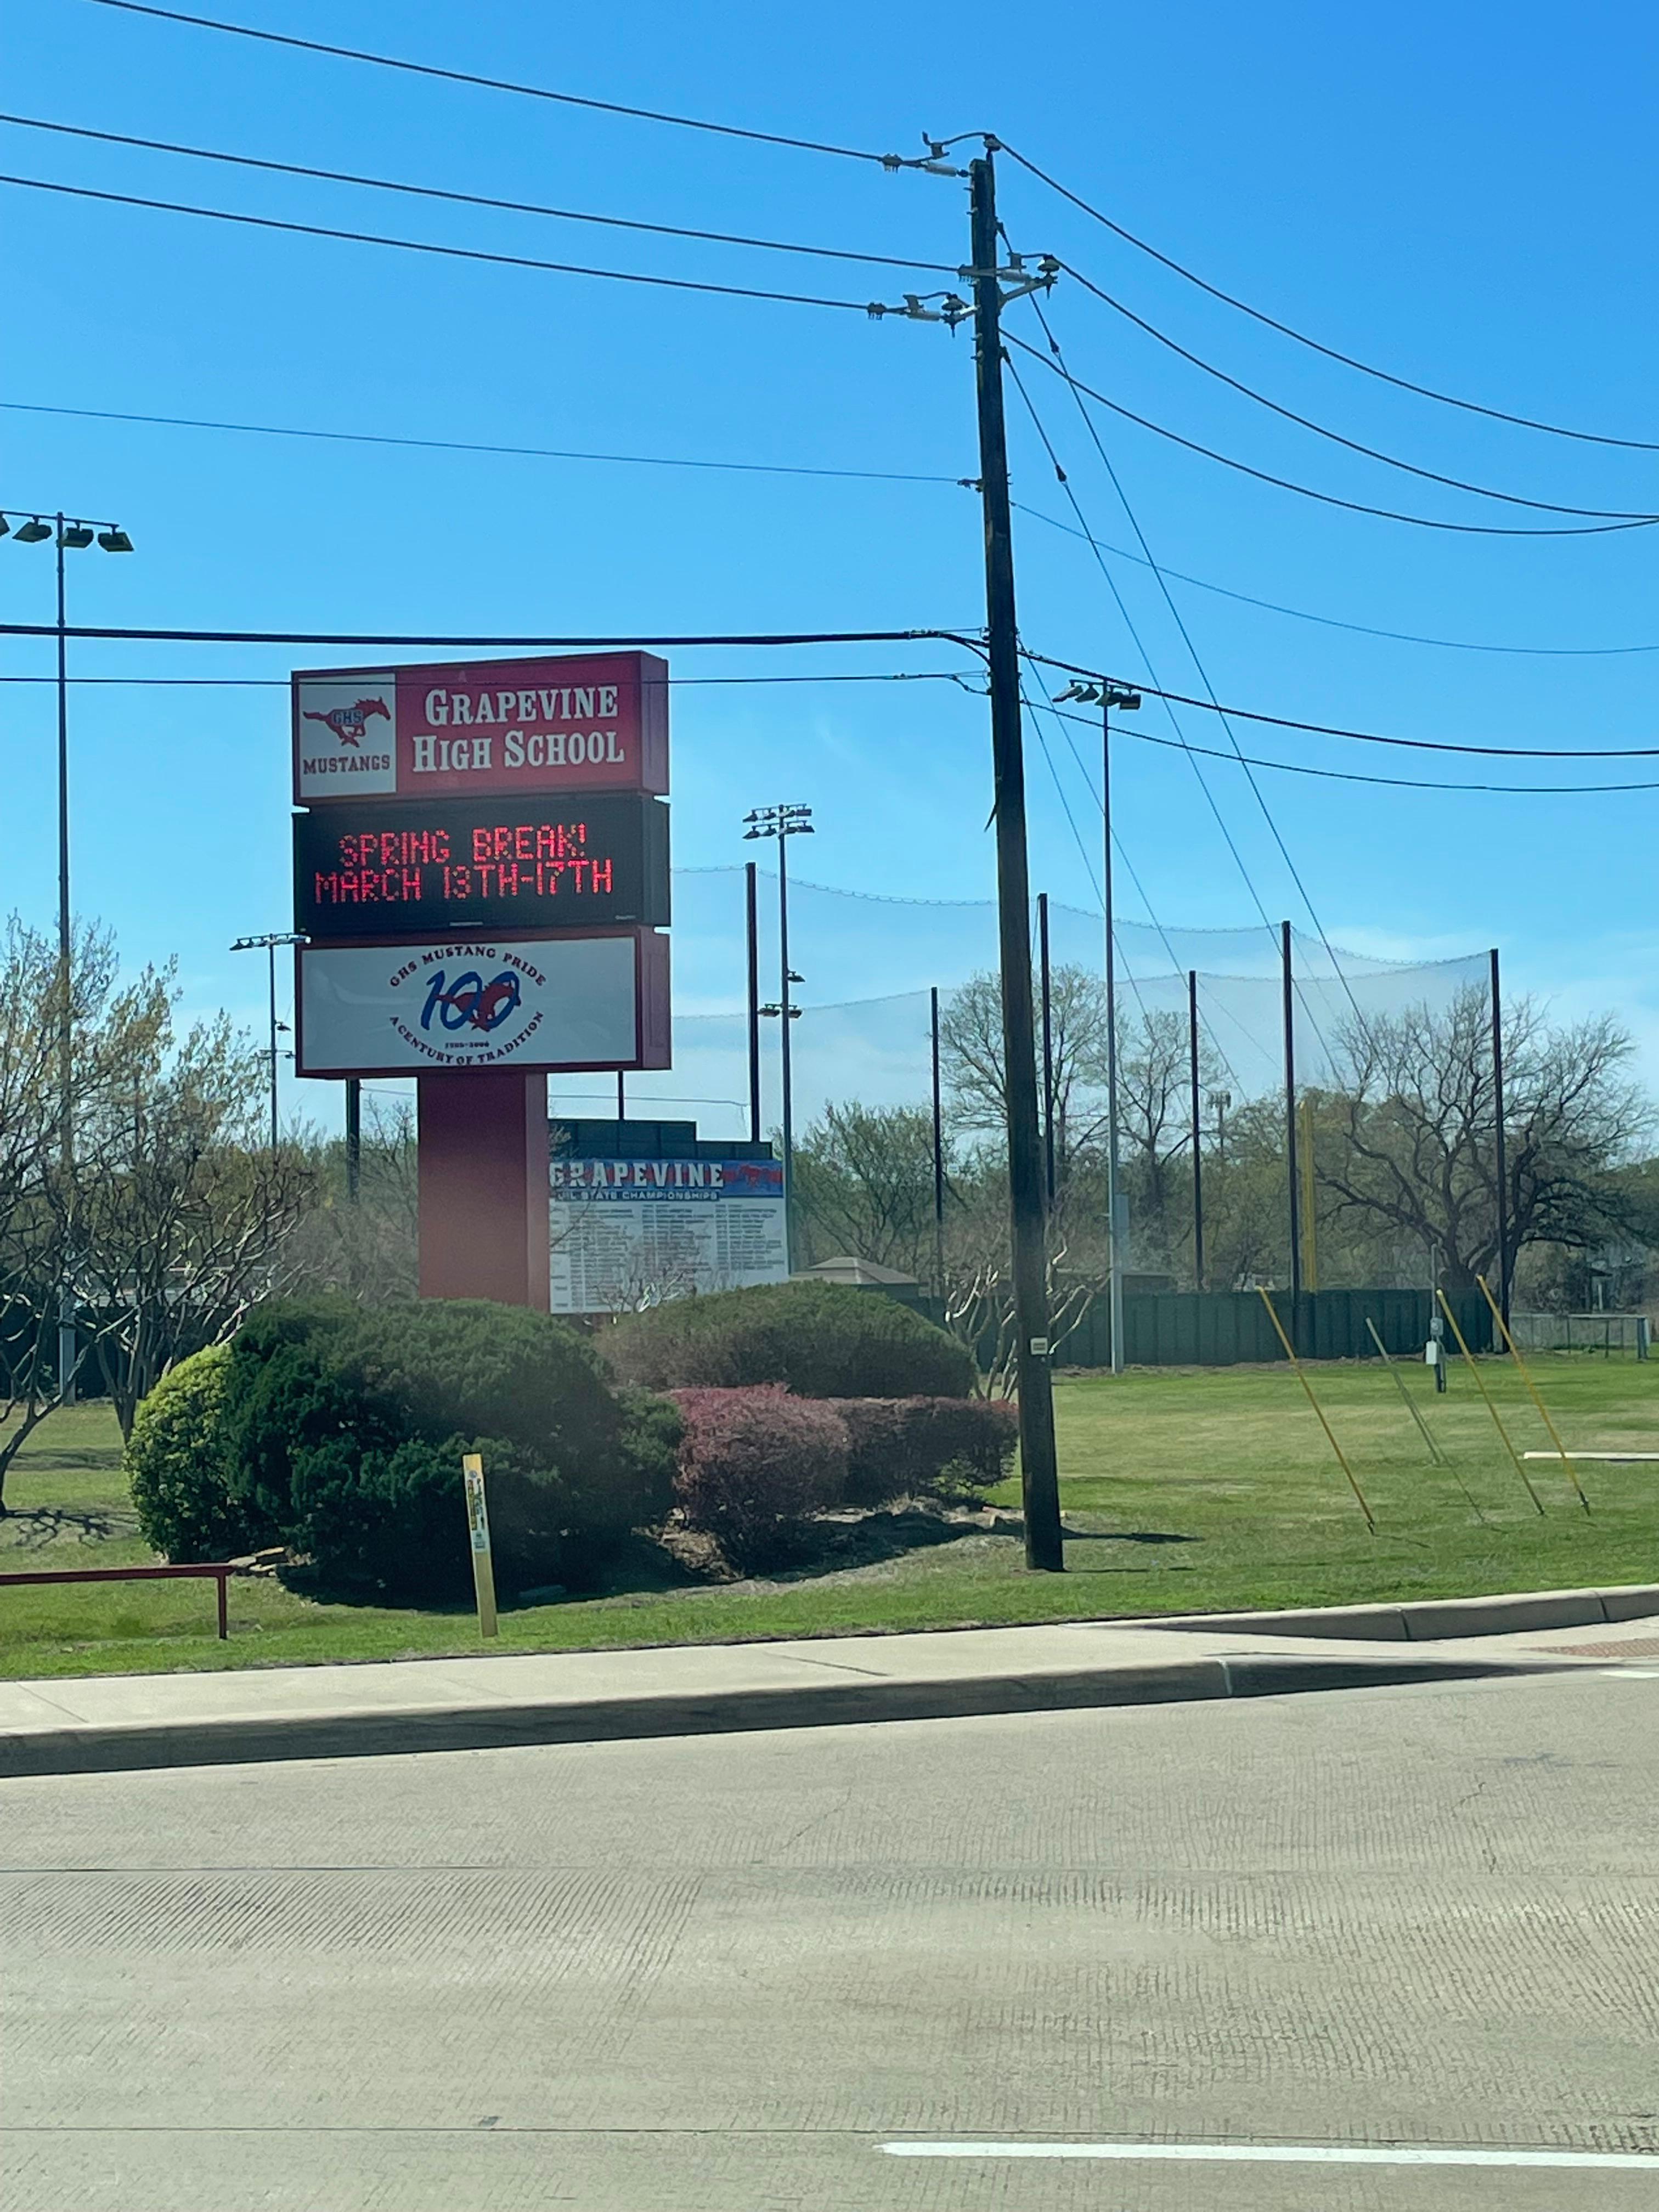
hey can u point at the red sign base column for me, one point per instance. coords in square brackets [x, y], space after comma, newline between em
[483, 1163]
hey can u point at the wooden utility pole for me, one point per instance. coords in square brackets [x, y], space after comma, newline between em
[1039, 1475]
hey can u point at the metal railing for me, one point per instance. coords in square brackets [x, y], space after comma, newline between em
[219, 1571]
[1606, 1332]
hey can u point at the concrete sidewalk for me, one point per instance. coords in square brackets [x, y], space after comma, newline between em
[107, 1723]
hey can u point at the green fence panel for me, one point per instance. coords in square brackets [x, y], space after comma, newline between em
[1226, 1328]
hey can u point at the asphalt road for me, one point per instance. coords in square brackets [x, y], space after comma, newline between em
[721, 1974]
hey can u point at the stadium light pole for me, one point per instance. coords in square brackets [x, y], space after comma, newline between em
[784, 822]
[268, 944]
[1107, 696]
[68, 534]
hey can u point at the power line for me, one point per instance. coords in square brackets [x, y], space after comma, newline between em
[1077, 838]
[1329, 498]
[505, 84]
[1332, 622]
[468, 446]
[1204, 674]
[473, 199]
[962, 637]
[1353, 776]
[1031, 707]
[1166, 698]
[1336, 437]
[871, 307]
[282, 683]
[788, 469]
[1331, 353]
[1168, 709]
[968, 642]
[1368, 737]
[1124, 854]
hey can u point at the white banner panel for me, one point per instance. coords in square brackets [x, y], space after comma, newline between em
[563, 1002]
[630, 1233]
[345, 737]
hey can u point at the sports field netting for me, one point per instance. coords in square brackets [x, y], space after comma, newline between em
[869, 963]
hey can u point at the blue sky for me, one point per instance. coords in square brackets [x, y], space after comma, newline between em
[1463, 195]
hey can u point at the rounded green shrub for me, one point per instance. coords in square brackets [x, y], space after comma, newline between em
[180, 1477]
[348, 1427]
[817, 1339]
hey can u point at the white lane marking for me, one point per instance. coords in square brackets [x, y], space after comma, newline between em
[1287, 2153]
[1632, 1673]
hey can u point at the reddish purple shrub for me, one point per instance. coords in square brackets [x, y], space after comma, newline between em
[953, 1449]
[755, 1466]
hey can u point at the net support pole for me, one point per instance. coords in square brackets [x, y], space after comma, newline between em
[1479, 1385]
[1410, 1403]
[939, 1150]
[752, 917]
[1309, 1226]
[1115, 1223]
[1330, 1433]
[1047, 974]
[786, 1065]
[1500, 1154]
[1291, 1181]
[1197, 1151]
[1532, 1392]
[354, 1138]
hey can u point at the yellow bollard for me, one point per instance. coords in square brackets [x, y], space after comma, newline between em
[1330, 1433]
[478, 1521]
[1480, 1386]
[1543, 1411]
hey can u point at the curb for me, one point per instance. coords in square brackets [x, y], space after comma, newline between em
[1434, 1619]
[102, 1750]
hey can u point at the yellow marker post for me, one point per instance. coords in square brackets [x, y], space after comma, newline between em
[1480, 1386]
[1370, 1522]
[477, 1522]
[1543, 1411]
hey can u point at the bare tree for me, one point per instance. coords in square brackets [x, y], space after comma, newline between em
[366, 1247]
[1416, 1156]
[181, 1208]
[1154, 1071]
[131, 1178]
[979, 1292]
[34, 1216]
[971, 1059]
[864, 1184]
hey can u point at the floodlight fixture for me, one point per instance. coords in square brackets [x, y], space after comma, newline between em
[115, 539]
[76, 536]
[33, 530]
[1117, 697]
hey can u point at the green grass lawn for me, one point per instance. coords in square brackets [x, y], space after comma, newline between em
[1184, 1491]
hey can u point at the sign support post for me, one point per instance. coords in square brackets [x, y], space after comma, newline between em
[477, 1524]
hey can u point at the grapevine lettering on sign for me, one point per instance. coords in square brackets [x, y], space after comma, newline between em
[596, 722]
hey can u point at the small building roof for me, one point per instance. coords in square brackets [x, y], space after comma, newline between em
[848, 1268]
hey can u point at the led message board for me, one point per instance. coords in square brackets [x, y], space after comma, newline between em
[461, 865]
[599, 722]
